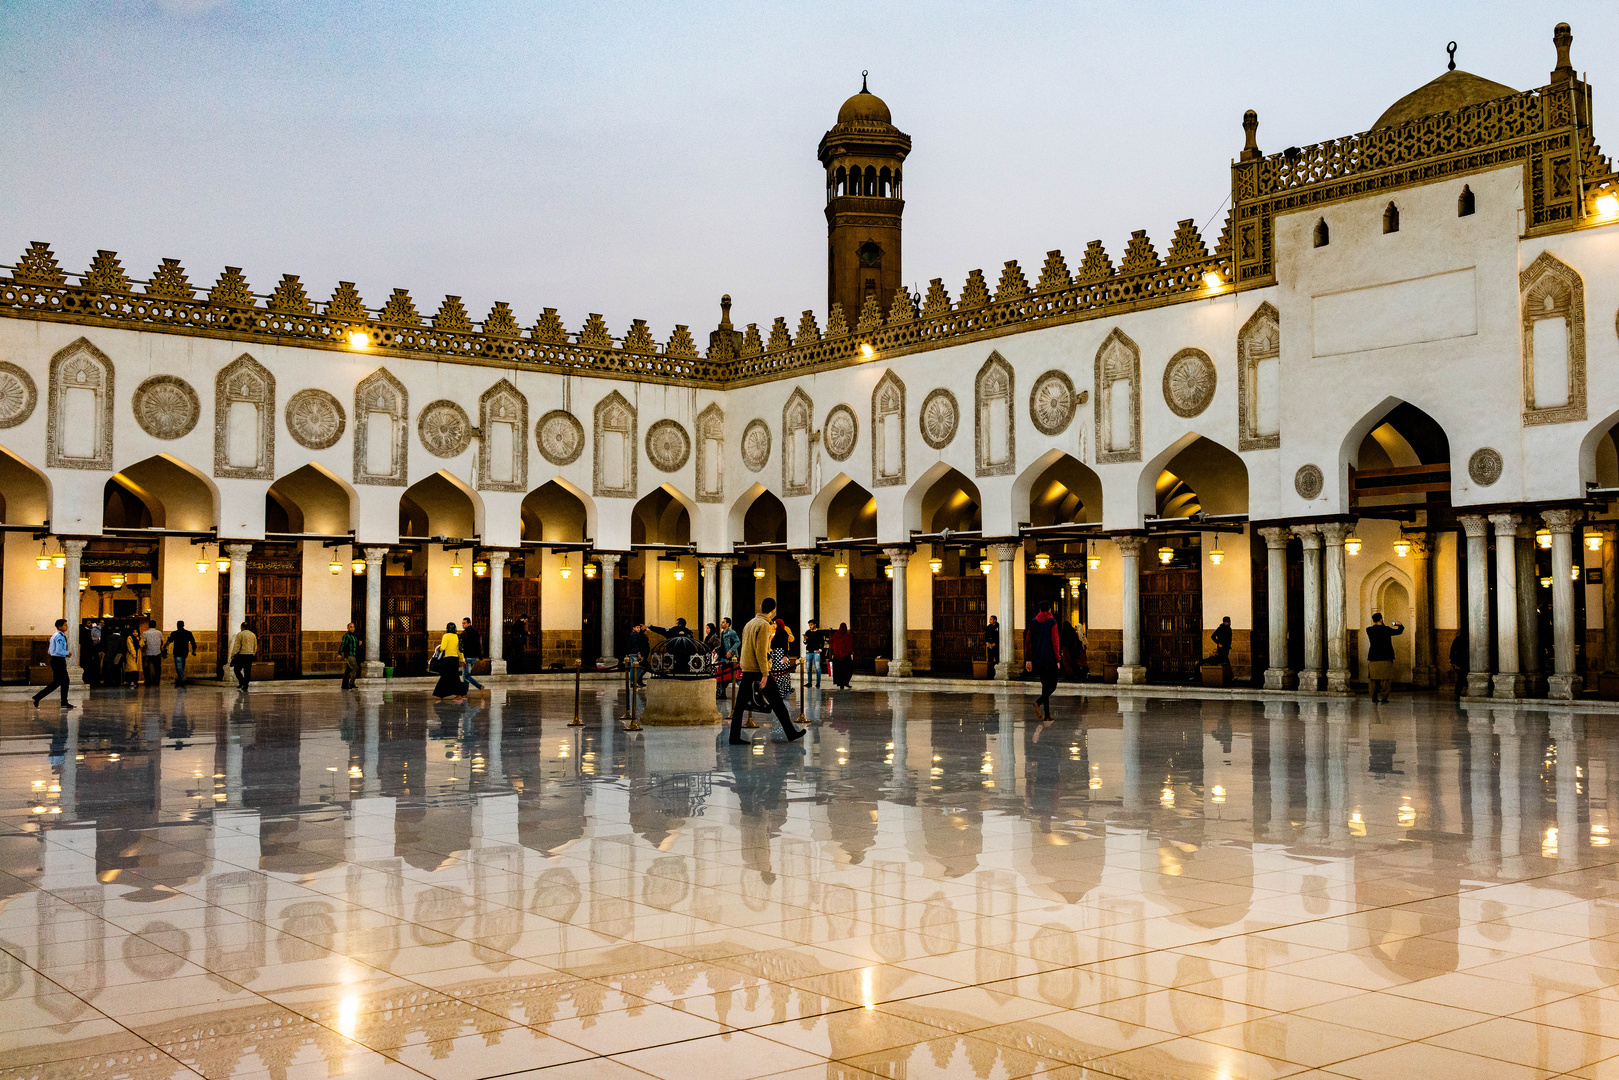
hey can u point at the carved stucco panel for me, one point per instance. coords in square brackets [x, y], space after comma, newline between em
[1552, 289]
[797, 421]
[617, 455]
[244, 421]
[711, 454]
[78, 430]
[1118, 371]
[503, 438]
[995, 418]
[1258, 342]
[888, 431]
[381, 413]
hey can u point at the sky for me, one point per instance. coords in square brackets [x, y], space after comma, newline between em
[638, 160]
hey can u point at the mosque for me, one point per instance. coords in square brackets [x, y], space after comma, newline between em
[1320, 413]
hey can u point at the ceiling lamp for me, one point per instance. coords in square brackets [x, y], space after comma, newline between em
[43, 561]
[455, 567]
[679, 572]
[358, 566]
[1544, 538]
[480, 567]
[1593, 540]
[842, 568]
[1352, 544]
[935, 564]
[759, 572]
[1402, 548]
[590, 571]
[888, 570]
[1166, 555]
[336, 565]
[118, 581]
[1216, 556]
[202, 562]
[1041, 560]
[59, 560]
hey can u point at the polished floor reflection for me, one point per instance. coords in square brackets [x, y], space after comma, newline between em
[301, 886]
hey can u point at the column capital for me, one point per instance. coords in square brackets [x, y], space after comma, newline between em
[1506, 524]
[1334, 532]
[609, 560]
[497, 559]
[1422, 544]
[1474, 525]
[806, 560]
[1131, 546]
[239, 550]
[899, 556]
[1562, 521]
[1309, 535]
[709, 563]
[1276, 536]
[72, 548]
[375, 555]
[1006, 552]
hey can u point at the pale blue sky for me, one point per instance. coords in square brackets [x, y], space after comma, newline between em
[640, 159]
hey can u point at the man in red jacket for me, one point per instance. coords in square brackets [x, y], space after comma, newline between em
[1042, 654]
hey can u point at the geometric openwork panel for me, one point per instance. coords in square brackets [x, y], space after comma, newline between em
[78, 432]
[1259, 358]
[503, 440]
[1552, 301]
[995, 430]
[381, 430]
[244, 421]
[1118, 399]
[617, 454]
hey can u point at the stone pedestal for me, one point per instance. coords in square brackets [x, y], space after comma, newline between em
[679, 703]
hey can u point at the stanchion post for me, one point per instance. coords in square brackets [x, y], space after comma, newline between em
[749, 722]
[803, 692]
[629, 692]
[578, 675]
[633, 725]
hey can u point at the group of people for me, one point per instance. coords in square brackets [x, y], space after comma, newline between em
[118, 653]
[458, 653]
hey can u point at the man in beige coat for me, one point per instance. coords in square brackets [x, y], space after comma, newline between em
[757, 687]
[244, 649]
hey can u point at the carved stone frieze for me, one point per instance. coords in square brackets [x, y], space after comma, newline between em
[445, 429]
[1052, 403]
[994, 426]
[244, 421]
[1189, 382]
[560, 436]
[939, 417]
[78, 428]
[18, 395]
[841, 432]
[1308, 482]
[1484, 467]
[668, 446]
[756, 445]
[315, 419]
[166, 407]
[381, 412]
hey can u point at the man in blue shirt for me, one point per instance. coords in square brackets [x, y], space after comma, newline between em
[57, 652]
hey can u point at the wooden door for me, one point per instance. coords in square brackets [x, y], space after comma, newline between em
[404, 623]
[520, 596]
[871, 621]
[629, 608]
[275, 586]
[1172, 622]
[960, 613]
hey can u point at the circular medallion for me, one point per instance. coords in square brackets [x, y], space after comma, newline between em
[756, 445]
[444, 429]
[1308, 482]
[166, 407]
[840, 432]
[17, 395]
[1484, 467]
[1189, 381]
[315, 419]
[561, 437]
[1052, 403]
[668, 446]
[939, 418]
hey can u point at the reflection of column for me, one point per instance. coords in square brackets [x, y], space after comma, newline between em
[233, 763]
[497, 612]
[1568, 730]
[1280, 826]
[1131, 671]
[1337, 768]
[495, 764]
[373, 611]
[1006, 583]
[1315, 768]
[69, 798]
[1563, 685]
[1422, 666]
[1332, 535]
[1534, 679]
[73, 549]
[371, 786]
[1610, 601]
[806, 592]
[1310, 677]
[608, 628]
[1478, 603]
[1509, 726]
[710, 567]
[900, 663]
[237, 612]
[1481, 739]
[1508, 681]
[1276, 675]
[1130, 717]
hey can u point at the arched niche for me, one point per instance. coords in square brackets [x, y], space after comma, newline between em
[312, 497]
[1396, 435]
[617, 451]
[1057, 489]
[381, 430]
[797, 422]
[78, 429]
[711, 454]
[1552, 302]
[994, 426]
[163, 490]
[1118, 399]
[1194, 474]
[244, 421]
[557, 510]
[503, 442]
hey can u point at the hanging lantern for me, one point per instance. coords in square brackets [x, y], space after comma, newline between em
[1544, 538]
[358, 566]
[1073, 587]
[758, 572]
[43, 561]
[1574, 571]
[480, 567]
[118, 581]
[336, 565]
[1352, 544]
[59, 560]
[202, 562]
[1216, 556]
[84, 583]
[935, 564]
[888, 570]
[1546, 582]
[983, 566]
[1041, 560]
[590, 571]
[1166, 555]
[222, 560]
[842, 568]
[455, 567]
[1402, 548]
[1593, 540]
[1092, 559]
[679, 572]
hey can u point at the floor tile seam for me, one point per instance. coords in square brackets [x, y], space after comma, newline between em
[1303, 1065]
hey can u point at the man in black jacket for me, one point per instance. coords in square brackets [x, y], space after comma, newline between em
[1042, 652]
[635, 653]
[181, 645]
[471, 652]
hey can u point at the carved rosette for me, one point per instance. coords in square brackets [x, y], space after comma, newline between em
[1484, 467]
[1189, 381]
[1052, 403]
[18, 395]
[668, 446]
[939, 416]
[561, 437]
[444, 429]
[166, 407]
[1308, 482]
[756, 445]
[315, 419]
[840, 432]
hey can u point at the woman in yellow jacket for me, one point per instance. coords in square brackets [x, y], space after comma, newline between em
[448, 666]
[132, 659]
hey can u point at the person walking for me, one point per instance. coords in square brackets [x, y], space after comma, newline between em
[757, 685]
[132, 659]
[1042, 651]
[1222, 642]
[814, 643]
[636, 653]
[1380, 656]
[348, 650]
[447, 663]
[842, 644]
[471, 652]
[152, 650]
[517, 662]
[244, 650]
[730, 641]
[56, 652]
[181, 645]
[1458, 661]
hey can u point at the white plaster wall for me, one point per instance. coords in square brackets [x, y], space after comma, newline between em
[1228, 588]
[327, 597]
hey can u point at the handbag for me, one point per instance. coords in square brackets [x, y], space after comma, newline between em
[436, 659]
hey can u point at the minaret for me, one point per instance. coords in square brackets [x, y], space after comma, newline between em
[862, 155]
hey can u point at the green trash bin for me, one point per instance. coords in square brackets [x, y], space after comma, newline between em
[387, 673]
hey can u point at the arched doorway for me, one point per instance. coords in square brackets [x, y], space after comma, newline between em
[1059, 490]
[860, 595]
[430, 584]
[662, 565]
[25, 592]
[534, 583]
[765, 573]
[953, 571]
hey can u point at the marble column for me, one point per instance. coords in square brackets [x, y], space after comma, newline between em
[1131, 670]
[373, 612]
[1610, 601]
[899, 664]
[1564, 684]
[1423, 673]
[725, 574]
[710, 568]
[1332, 536]
[1006, 584]
[1534, 679]
[497, 612]
[237, 612]
[609, 572]
[1508, 679]
[74, 550]
[1276, 675]
[1310, 677]
[1477, 527]
[807, 562]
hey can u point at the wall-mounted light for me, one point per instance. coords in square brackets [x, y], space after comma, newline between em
[1216, 556]
[758, 572]
[866, 351]
[590, 571]
[1352, 544]
[359, 339]
[1166, 555]
[1402, 548]
[1041, 560]
[455, 567]
[1593, 540]
[358, 566]
[1211, 280]
[335, 566]
[1543, 537]
[480, 567]
[42, 560]
[1608, 206]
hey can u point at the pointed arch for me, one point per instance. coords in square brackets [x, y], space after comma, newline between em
[503, 438]
[1117, 413]
[1553, 309]
[25, 491]
[436, 500]
[326, 501]
[178, 494]
[1425, 439]
[711, 454]
[737, 516]
[1214, 476]
[888, 431]
[1087, 494]
[244, 421]
[797, 420]
[1259, 380]
[78, 429]
[994, 423]
[617, 452]
[918, 513]
[381, 430]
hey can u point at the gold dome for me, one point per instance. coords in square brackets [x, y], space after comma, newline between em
[1452, 90]
[865, 106]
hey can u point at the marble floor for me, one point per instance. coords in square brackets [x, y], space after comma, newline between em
[311, 885]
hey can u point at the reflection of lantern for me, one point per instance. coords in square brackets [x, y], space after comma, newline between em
[43, 561]
[590, 571]
[1544, 538]
[1216, 556]
[758, 572]
[1352, 544]
[1402, 548]
[1166, 555]
[118, 581]
[888, 570]
[358, 566]
[455, 567]
[1041, 560]
[480, 567]
[1593, 540]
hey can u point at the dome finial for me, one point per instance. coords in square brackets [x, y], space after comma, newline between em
[1250, 131]
[1451, 49]
[863, 75]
